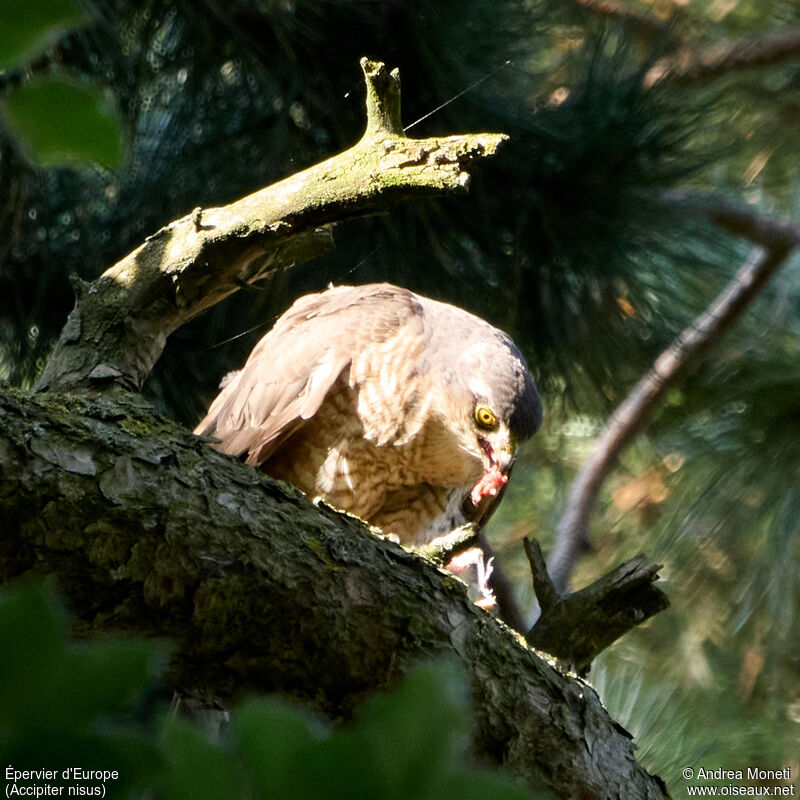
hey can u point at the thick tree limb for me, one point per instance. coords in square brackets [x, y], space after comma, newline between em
[121, 321]
[577, 627]
[151, 532]
[776, 241]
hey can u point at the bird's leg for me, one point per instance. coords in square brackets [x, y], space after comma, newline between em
[475, 570]
[460, 553]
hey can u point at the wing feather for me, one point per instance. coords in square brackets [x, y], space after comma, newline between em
[293, 368]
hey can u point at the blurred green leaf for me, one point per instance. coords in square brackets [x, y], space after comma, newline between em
[58, 700]
[344, 765]
[32, 636]
[59, 120]
[474, 785]
[45, 683]
[27, 24]
[272, 738]
[197, 769]
[418, 731]
[410, 742]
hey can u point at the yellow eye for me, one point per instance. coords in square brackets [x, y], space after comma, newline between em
[485, 417]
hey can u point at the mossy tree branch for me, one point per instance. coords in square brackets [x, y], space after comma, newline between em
[121, 321]
[150, 532]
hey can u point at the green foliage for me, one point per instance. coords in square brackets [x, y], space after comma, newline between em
[57, 120]
[27, 25]
[411, 742]
[84, 130]
[195, 767]
[65, 705]
[59, 702]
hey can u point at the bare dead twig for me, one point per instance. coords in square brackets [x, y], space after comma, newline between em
[694, 66]
[543, 587]
[775, 241]
[647, 26]
[691, 64]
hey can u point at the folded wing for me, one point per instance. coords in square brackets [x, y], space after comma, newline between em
[293, 368]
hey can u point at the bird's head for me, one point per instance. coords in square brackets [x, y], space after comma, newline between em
[498, 405]
[502, 419]
[497, 443]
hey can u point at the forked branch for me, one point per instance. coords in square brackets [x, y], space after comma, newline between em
[577, 627]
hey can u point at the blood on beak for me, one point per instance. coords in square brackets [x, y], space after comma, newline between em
[502, 461]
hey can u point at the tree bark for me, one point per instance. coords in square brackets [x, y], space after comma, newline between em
[150, 532]
[577, 627]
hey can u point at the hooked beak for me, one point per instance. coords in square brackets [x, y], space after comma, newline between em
[502, 460]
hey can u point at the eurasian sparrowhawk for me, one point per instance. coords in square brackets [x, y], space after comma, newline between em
[402, 410]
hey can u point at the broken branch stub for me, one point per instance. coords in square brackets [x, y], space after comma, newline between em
[577, 627]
